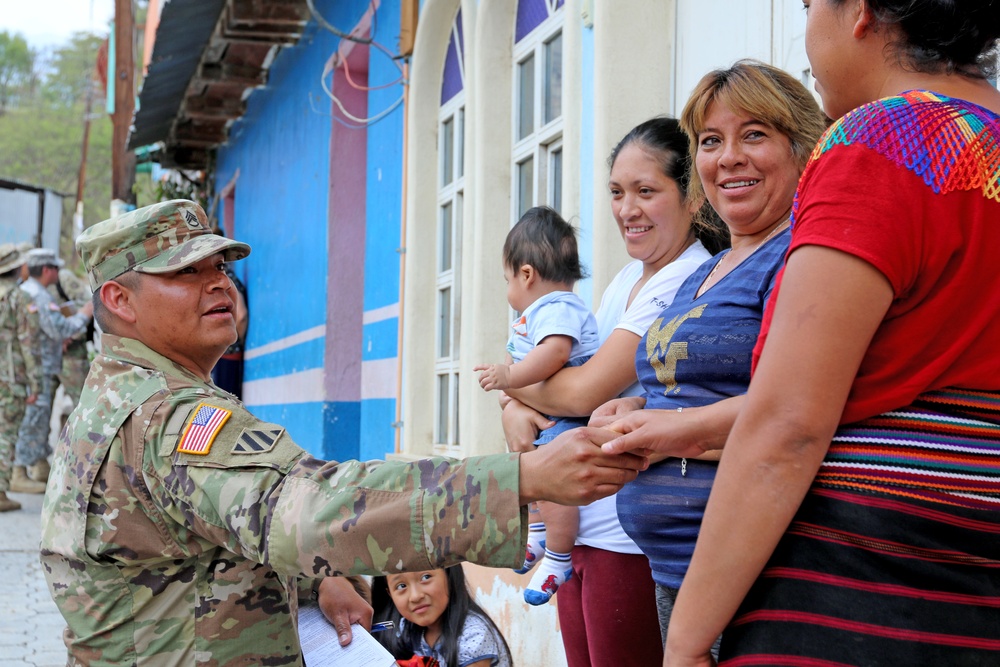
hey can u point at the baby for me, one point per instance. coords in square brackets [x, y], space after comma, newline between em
[554, 329]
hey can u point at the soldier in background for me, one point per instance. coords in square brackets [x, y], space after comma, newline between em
[177, 525]
[24, 248]
[32, 451]
[72, 293]
[20, 374]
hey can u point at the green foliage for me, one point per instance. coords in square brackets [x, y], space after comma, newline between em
[41, 137]
[17, 68]
[72, 69]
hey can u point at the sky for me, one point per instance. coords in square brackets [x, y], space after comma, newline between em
[48, 23]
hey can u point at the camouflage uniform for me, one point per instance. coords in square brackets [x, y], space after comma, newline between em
[176, 523]
[20, 374]
[75, 361]
[33, 438]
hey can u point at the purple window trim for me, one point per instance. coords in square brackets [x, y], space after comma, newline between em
[452, 83]
[530, 14]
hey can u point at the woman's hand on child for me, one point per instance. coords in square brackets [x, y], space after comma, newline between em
[521, 425]
[493, 376]
[614, 410]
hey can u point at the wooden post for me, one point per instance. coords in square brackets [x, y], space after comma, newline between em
[81, 178]
[122, 159]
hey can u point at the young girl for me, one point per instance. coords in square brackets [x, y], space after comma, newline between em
[435, 616]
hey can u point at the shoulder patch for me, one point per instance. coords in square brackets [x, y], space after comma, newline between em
[256, 441]
[201, 430]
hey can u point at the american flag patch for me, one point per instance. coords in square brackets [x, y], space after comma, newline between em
[202, 429]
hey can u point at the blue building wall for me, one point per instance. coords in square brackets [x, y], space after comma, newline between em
[281, 151]
[383, 205]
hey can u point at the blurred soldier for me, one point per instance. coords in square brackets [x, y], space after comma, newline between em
[33, 449]
[20, 374]
[73, 293]
[24, 248]
[177, 524]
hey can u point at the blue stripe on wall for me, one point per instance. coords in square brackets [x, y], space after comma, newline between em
[303, 421]
[378, 437]
[342, 425]
[379, 339]
[284, 362]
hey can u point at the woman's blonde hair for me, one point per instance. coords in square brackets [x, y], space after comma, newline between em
[766, 94]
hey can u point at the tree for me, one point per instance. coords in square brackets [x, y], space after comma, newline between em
[41, 137]
[72, 69]
[17, 67]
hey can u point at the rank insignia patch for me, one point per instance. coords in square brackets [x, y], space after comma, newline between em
[202, 429]
[256, 441]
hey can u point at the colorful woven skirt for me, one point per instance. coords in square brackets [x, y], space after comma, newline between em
[894, 556]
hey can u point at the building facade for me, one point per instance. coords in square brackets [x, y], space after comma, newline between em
[377, 191]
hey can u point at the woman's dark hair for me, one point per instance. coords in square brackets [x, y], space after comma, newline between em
[953, 36]
[663, 139]
[404, 636]
[544, 240]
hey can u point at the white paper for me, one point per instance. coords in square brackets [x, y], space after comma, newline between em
[321, 646]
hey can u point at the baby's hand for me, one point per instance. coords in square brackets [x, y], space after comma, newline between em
[494, 376]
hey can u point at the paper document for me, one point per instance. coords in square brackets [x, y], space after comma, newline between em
[321, 646]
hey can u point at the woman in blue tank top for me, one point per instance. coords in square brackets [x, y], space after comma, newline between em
[752, 128]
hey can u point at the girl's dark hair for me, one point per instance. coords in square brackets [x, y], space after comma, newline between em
[544, 240]
[404, 636]
[953, 36]
[664, 140]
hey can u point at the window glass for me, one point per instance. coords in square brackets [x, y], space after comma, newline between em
[447, 151]
[526, 97]
[553, 79]
[525, 186]
[445, 251]
[555, 178]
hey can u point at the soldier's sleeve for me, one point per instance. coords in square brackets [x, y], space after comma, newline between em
[245, 485]
[28, 332]
[54, 323]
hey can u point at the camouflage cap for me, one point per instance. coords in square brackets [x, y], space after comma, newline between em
[44, 257]
[10, 257]
[161, 238]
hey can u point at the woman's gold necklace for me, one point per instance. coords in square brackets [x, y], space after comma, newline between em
[708, 281]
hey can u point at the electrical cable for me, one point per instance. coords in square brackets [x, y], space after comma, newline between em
[363, 122]
[339, 33]
[350, 81]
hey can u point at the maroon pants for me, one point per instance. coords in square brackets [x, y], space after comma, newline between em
[607, 611]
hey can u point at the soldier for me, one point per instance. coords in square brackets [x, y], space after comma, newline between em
[32, 451]
[177, 524]
[72, 293]
[20, 375]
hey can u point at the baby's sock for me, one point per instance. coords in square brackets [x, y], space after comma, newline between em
[535, 549]
[551, 574]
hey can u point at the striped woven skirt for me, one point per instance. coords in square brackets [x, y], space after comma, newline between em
[894, 556]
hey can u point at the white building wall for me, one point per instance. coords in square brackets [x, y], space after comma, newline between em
[647, 57]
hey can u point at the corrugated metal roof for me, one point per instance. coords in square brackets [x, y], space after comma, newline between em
[184, 31]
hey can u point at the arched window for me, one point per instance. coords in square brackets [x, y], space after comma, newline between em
[537, 112]
[450, 198]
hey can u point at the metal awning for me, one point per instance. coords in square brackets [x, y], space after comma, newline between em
[208, 57]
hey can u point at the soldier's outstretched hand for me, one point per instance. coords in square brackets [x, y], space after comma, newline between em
[573, 470]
